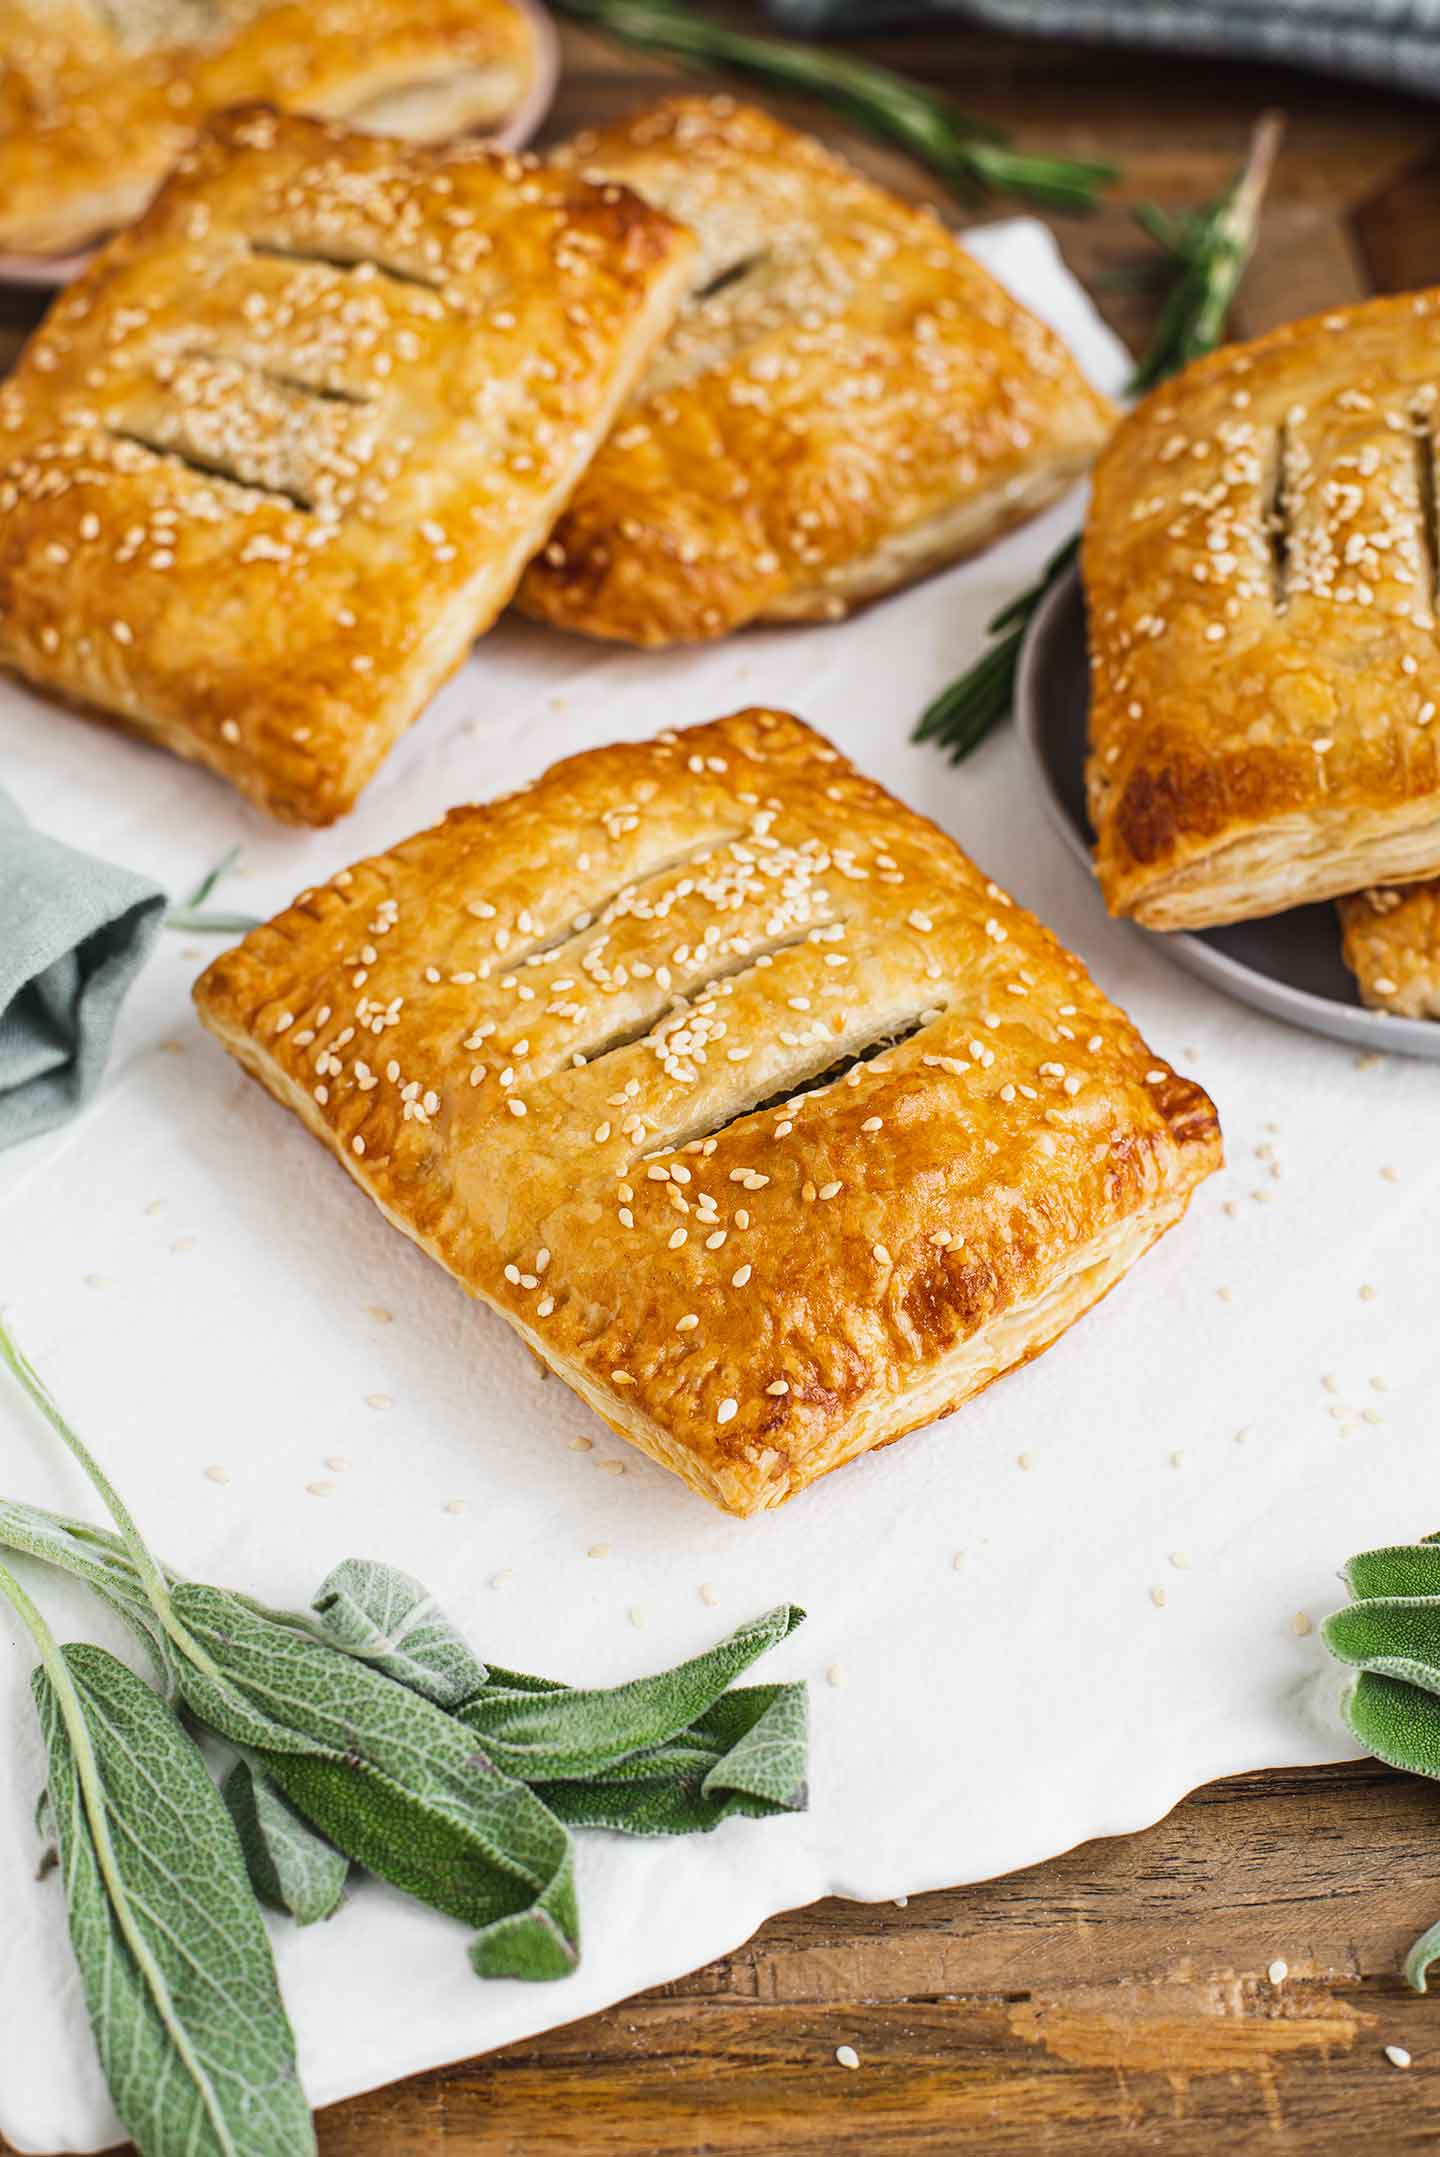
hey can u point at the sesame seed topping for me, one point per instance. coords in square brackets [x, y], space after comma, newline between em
[727, 1411]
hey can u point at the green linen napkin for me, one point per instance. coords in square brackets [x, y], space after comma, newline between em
[73, 933]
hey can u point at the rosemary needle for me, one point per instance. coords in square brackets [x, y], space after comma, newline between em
[1210, 248]
[974, 159]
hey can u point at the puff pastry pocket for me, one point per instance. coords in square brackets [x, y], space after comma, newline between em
[282, 453]
[847, 402]
[1391, 941]
[98, 100]
[771, 1125]
[1260, 573]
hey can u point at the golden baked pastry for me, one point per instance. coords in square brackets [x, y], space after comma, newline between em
[847, 402]
[99, 97]
[1260, 570]
[283, 451]
[1391, 941]
[768, 1123]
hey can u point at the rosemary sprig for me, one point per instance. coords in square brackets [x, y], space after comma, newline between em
[973, 159]
[191, 915]
[1210, 248]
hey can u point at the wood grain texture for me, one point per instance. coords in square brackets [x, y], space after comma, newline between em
[1115, 1999]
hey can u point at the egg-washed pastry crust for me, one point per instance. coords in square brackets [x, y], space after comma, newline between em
[98, 100]
[1391, 941]
[279, 456]
[771, 1125]
[847, 402]
[1260, 575]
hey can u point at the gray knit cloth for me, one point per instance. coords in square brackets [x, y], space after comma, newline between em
[1387, 41]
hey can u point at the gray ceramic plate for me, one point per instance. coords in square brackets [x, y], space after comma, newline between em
[46, 273]
[1287, 965]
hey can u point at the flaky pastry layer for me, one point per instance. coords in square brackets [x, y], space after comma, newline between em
[847, 401]
[771, 1124]
[1260, 575]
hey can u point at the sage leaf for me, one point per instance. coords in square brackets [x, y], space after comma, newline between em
[746, 1757]
[1394, 1636]
[535, 1728]
[1402, 1569]
[1396, 1722]
[291, 1868]
[386, 1776]
[670, 1755]
[569, 1734]
[174, 1960]
[380, 1614]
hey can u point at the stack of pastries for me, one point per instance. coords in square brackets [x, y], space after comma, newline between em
[1260, 566]
[767, 1119]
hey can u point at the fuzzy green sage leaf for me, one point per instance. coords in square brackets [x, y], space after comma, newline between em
[1390, 1634]
[671, 1754]
[384, 1616]
[173, 1956]
[382, 1773]
[291, 1868]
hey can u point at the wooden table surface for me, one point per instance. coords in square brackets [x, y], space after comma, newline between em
[1118, 1997]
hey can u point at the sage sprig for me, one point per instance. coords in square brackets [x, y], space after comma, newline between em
[1205, 252]
[173, 1956]
[369, 1731]
[973, 158]
[672, 1754]
[1390, 1634]
[385, 1776]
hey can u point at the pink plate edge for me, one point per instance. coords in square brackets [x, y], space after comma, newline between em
[47, 273]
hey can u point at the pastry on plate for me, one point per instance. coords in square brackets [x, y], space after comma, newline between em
[99, 97]
[283, 451]
[770, 1125]
[847, 402]
[1260, 577]
[1391, 941]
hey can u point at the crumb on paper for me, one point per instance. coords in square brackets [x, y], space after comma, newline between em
[381, 1316]
[1303, 1623]
[709, 1593]
[638, 1618]
[598, 1550]
[337, 1463]
[217, 1474]
[503, 1578]
[321, 1490]
[454, 1505]
[1158, 1597]
[379, 1400]
[582, 1445]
